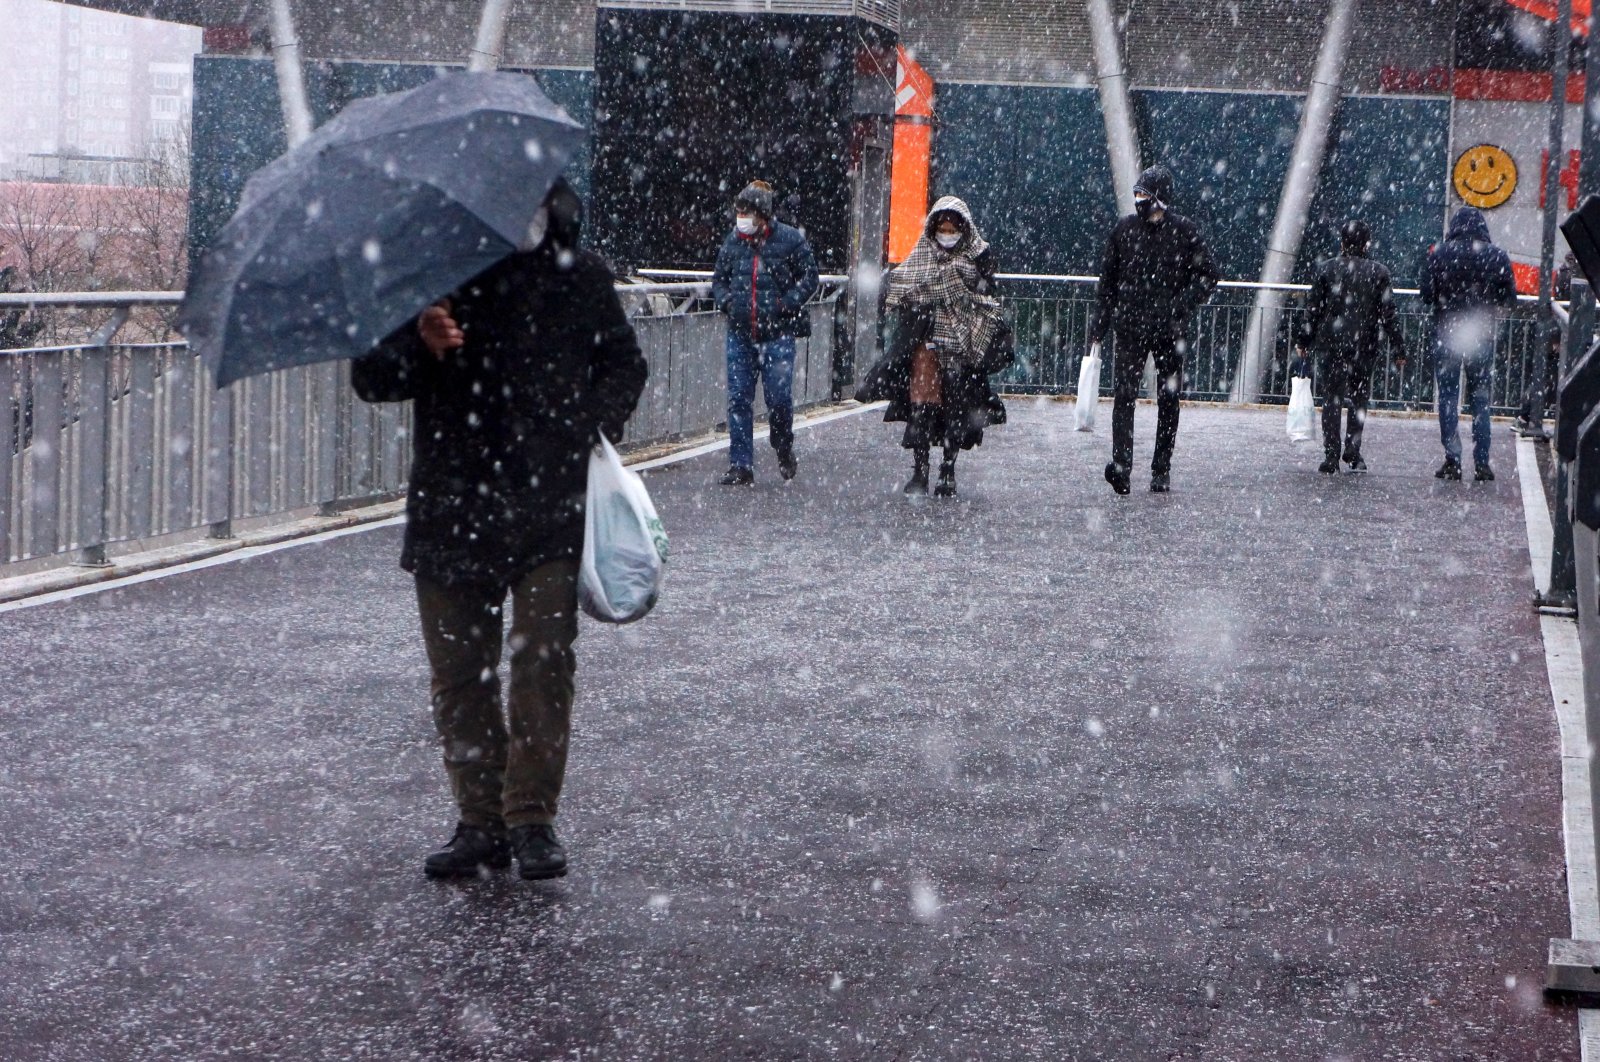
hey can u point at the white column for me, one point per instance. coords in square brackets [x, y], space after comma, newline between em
[291, 77]
[491, 38]
[1112, 78]
[1299, 186]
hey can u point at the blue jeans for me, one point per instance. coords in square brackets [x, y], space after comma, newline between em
[775, 361]
[1479, 372]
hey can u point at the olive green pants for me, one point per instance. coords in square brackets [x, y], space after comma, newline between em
[505, 764]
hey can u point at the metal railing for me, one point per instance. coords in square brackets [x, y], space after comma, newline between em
[104, 442]
[1053, 315]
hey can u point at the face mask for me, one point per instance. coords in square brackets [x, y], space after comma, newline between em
[947, 240]
[537, 228]
[746, 225]
[1146, 206]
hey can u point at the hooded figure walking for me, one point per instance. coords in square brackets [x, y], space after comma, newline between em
[947, 336]
[1466, 279]
[1157, 271]
[765, 275]
[513, 377]
[1350, 300]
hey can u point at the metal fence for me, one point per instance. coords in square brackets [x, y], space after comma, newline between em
[1053, 319]
[109, 443]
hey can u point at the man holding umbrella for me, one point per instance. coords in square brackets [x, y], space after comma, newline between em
[450, 194]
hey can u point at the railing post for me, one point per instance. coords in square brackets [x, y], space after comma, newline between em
[96, 439]
[217, 497]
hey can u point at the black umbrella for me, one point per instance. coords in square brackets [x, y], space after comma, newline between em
[394, 203]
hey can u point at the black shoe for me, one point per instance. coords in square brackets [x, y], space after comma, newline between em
[1451, 469]
[787, 465]
[918, 483]
[737, 477]
[1355, 462]
[1160, 482]
[1330, 467]
[947, 482]
[1483, 474]
[468, 853]
[1119, 480]
[539, 854]
[1521, 425]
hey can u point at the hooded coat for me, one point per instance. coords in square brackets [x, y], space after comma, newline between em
[504, 424]
[1154, 275]
[1351, 298]
[968, 398]
[1467, 273]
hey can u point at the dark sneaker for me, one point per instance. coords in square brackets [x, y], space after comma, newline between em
[1160, 482]
[1329, 467]
[737, 477]
[1356, 463]
[1119, 480]
[787, 464]
[918, 483]
[1483, 474]
[947, 482]
[539, 854]
[1451, 469]
[468, 854]
[1521, 425]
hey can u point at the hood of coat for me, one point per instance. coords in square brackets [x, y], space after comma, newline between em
[972, 242]
[1469, 224]
[1156, 181]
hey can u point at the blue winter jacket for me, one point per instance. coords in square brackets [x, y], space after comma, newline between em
[1467, 272]
[764, 283]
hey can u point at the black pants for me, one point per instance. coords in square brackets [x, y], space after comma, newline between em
[1129, 368]
[1346, 384]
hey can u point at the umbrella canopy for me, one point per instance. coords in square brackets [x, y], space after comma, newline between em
[394, 203]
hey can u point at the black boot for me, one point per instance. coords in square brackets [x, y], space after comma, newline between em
[539, 854]
[947, 474]
[1483, 474]
[737, 477]
[787, 464]
[1451, 469]
[1329, 466]
[1118, 478]
[1160, 482]
[468, 853]
[918, 483]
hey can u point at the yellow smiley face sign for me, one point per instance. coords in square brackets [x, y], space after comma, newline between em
[1485, 176]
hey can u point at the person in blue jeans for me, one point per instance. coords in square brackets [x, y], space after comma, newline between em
[1465, 280]
[765, 275]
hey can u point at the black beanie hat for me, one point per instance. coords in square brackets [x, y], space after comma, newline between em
[757, 197]
[1355, 235]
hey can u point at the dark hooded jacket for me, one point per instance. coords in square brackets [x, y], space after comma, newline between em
[1467, 272]
[763, 283]
[1154, 275]
[504, 425]
[1351, 298]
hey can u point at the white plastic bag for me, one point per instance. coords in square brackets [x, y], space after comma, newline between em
[1088, 402]
[624, 544]
[1302, 410]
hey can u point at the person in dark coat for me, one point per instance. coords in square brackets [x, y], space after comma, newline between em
[513, 378]
[1156, 273]
[1465, 280]
[1351, 299]
[765, 275]
[945, 329]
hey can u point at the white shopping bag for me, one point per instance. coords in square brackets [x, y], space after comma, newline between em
[624, 544]
[1302, 411]
[1088, 401]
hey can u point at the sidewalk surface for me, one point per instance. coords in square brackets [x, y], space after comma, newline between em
[1262, 769]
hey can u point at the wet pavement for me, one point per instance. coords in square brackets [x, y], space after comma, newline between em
[1262, 769]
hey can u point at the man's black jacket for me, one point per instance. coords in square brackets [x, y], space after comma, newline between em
[505, 424]
[1351, 298]
[1153, 278]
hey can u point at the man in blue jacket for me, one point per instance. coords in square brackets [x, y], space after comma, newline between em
[1465, 279]
[764, 277]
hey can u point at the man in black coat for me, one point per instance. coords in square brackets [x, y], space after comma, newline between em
[513, 377]
[1466, 279]
[1157, 271]
[1351, 298]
